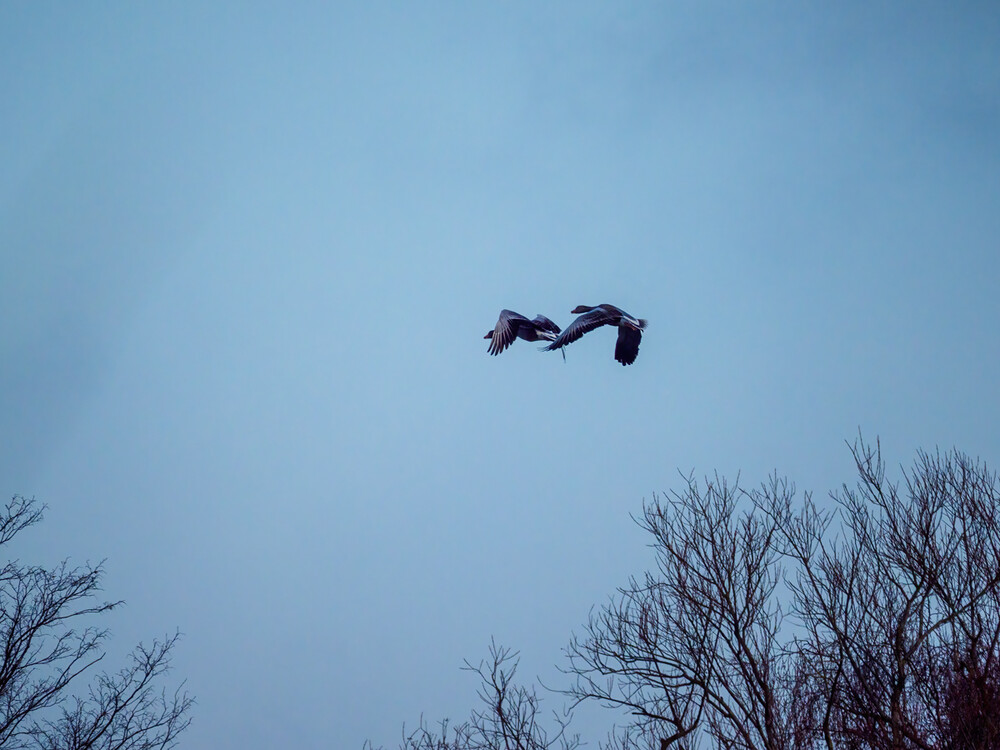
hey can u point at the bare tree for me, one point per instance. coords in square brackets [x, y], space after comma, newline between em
[47, 646]
[771, 623]
[693, 647]
[509, 719]
[900, 608]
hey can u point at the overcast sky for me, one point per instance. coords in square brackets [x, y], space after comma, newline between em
[248, 253]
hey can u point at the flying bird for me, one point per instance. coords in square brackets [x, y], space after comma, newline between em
[512, 325]
[629, 330]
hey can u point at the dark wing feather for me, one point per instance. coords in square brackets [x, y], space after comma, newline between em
[627, 346]
[544, 324]
[583, 324]
[505, 330]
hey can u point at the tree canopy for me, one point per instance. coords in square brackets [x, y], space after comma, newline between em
[51, 648]
[771, 622]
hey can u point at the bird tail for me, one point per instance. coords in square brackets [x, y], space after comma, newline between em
[549, 348]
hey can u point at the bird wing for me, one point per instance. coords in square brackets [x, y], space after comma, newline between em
[627, 346]
[544, 324]
[583, 324]
[505, 330]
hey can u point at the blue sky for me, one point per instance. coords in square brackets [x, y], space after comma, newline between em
[248, 255]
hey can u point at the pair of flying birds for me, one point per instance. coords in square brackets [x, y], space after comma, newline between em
[511, 325]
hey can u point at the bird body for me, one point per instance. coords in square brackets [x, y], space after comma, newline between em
[629, 330]
[513, 325]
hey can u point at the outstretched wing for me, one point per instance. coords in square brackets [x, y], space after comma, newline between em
[627, 346]
[544, 324]
[583, 324]
[505, 330]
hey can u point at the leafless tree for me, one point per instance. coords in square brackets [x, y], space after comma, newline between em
[898, 595]
[770, 622]
[509, 720]
[47, 645]
[693, 647]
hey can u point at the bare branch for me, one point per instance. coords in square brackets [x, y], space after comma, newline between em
[46, 648]
[772, 623]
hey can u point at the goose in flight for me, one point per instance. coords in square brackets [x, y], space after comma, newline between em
[511, 325]
[629, 330]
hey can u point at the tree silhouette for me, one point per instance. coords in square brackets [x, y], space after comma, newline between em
[770, 622]
[508, 720]
[47, 646]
